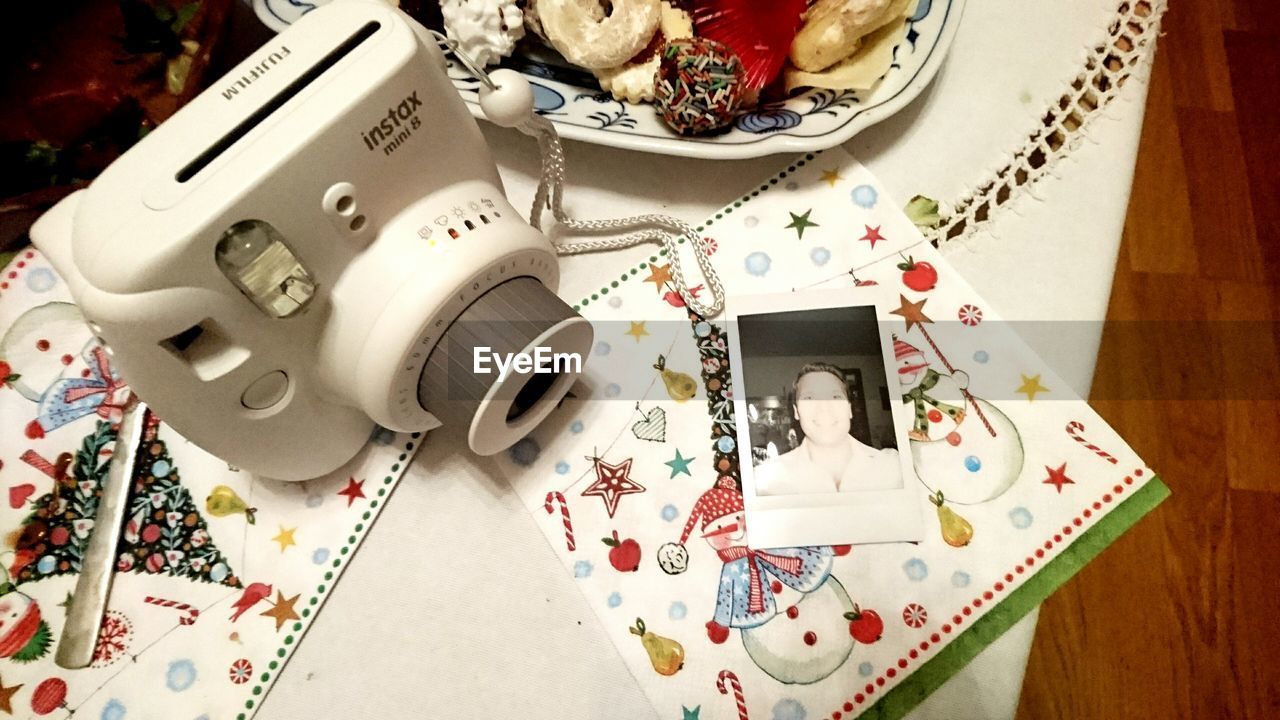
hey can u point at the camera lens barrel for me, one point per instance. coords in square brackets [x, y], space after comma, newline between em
[519, 317]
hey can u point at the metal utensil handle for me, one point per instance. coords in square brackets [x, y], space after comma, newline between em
[84, 615]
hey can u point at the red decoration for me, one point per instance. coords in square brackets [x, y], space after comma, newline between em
[919, 276]
[353, 490]
[241, 671]
[873, 235]
[1074, 429]
[612, 482]
[624, 555]
[759, 33]
[188, 614]
[49, 696]
[728, 681]
[716, 632]
[914, 615]
[18, 494]
[33, 430]
[113, 639]
[556, 496]
[864, 625]
[970, 315]
[1057, 478]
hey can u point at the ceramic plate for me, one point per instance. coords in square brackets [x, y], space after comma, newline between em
[812, 120]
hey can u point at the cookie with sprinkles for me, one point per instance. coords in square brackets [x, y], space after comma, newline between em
[698, 85]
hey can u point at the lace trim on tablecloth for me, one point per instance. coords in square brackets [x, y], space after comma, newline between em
[1130, 39]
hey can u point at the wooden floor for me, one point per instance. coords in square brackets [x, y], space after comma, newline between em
[1181, 617]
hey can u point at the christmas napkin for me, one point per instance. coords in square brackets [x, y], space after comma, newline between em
[1022, 483]
[218, 574]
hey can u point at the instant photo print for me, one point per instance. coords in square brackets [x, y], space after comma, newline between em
[819, 449]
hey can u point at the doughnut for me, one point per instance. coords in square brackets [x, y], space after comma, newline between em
[608, 42]
[486, 30]
[698, 85]
[833, 29]
[592, 8]
[633, 81]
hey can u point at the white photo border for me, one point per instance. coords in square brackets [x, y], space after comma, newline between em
[870, 516]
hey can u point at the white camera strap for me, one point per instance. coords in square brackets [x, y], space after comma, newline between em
[507, 100]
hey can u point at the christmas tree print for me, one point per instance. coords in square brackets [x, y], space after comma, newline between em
[164, 532]
[55, 534]
[713, 352]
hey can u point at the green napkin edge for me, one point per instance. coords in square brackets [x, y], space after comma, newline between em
[913, 690]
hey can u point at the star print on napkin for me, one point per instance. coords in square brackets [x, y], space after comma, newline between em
[353, 490]
[913, 312]
[1031, 387]
[637, 330]
[872, 235]
[612, 482]
[6, 696]
[679, 464]
[285, 537]
[1057, 478]
[800, 222]
[282, 611]
[659, 276]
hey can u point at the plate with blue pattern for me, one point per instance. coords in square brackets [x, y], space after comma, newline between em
[813, 119]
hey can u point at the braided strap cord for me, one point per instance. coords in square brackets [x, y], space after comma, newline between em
[645, 228]
[640, 228]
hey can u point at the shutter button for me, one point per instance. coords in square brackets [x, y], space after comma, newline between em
[265, 391]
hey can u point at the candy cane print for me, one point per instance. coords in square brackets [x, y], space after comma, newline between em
[737, 691]
[37, 461]
[189, 614]
[558, 497]
[1074, 428]
[57, 470]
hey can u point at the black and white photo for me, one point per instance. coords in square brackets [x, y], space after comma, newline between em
[811, 372]
[823, 452]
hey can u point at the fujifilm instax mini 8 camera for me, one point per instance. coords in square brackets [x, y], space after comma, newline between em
[315, 244]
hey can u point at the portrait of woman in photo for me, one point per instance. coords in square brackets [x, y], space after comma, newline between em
[823, 445]
[829, 459]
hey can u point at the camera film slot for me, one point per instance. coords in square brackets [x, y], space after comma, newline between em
[244, 127]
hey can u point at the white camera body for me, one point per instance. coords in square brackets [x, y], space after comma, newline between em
[273, 266]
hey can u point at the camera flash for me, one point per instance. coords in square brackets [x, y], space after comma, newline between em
[255, 257]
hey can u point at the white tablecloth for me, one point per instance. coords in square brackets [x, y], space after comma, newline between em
[509, 635]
